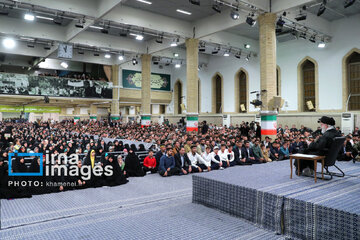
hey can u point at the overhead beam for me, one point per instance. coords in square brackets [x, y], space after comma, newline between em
[282, 5]
[82, 7]
[14, 26]
[144, 19]
[108, 41]
[232, 40]
[312, 21]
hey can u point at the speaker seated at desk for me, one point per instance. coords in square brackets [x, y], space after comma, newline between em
[322, 144]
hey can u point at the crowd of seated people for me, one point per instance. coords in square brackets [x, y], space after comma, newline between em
[173, 151]
[79, 76]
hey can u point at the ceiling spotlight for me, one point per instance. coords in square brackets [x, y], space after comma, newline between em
[123, 33]
[80, 23]
[104, 31]
[9, 43]
[227, 53]
[178, 65]
[176, 55]
[322, 8]
[234, 14]
[156, 60]
[202, 47]
[29, 16]
[348, 3]
[247, 46]
[30, 45]
[58, 20]
[250, 20]
[280, 22]
[216, 8]
[312, 39]
[247, 57]
[47, 47]
[139, 37]
[134, 61]
[64, 64]
[107, 56]
[121, 57]
[302, 35]
[215, 51]
[96, 54]
[4, 11]
[238, 55]
[174, 43]
[301, 16]
[195, 2]
[321, 44]
[159, 39]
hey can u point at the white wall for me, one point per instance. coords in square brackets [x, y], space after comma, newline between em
[227, 67]
[346, 35]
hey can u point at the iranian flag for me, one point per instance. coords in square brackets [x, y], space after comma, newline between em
[192, 123]
[268, 125]
[76, 119]
[145, 121]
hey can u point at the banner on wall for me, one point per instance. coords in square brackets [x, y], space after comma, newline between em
[132, 79]
[29, 109]
[22, 84]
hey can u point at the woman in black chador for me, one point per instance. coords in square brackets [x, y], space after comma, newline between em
[132, 165]
[118, 177]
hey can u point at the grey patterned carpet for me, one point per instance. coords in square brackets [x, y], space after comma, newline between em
[298, 207]
[146, 208]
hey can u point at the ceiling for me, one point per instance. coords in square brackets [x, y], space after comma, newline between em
[335, 9]
[168, 8]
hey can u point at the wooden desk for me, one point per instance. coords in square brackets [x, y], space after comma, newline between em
[314, 158]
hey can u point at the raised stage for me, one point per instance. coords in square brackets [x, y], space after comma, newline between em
[298, 208]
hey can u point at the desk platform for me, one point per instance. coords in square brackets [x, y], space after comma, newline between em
[298, 208]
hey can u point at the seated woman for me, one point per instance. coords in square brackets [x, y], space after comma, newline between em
[132, 165]
[90, 160]
[118, 177]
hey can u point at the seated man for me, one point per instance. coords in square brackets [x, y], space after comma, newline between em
[248, 154]
[207, 155]
[257, 151]
[150, 163]
[198, 164]
[284, 151]
[231, 156]
[182, 161]
[347, 152]
[274, 151]
[223, 154]
[321, 145]
[215, 159]
[167, 165]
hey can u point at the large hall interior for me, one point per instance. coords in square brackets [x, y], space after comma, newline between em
[179, 119]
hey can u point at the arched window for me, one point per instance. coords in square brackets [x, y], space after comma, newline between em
[177, 97]
[308, 85]
[278, 81]
[217, 93]
[241, 91]
[352, 78]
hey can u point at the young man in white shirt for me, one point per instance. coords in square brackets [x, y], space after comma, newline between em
[197, 162]
[207, 155]
[215, 159]
[223, 154]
